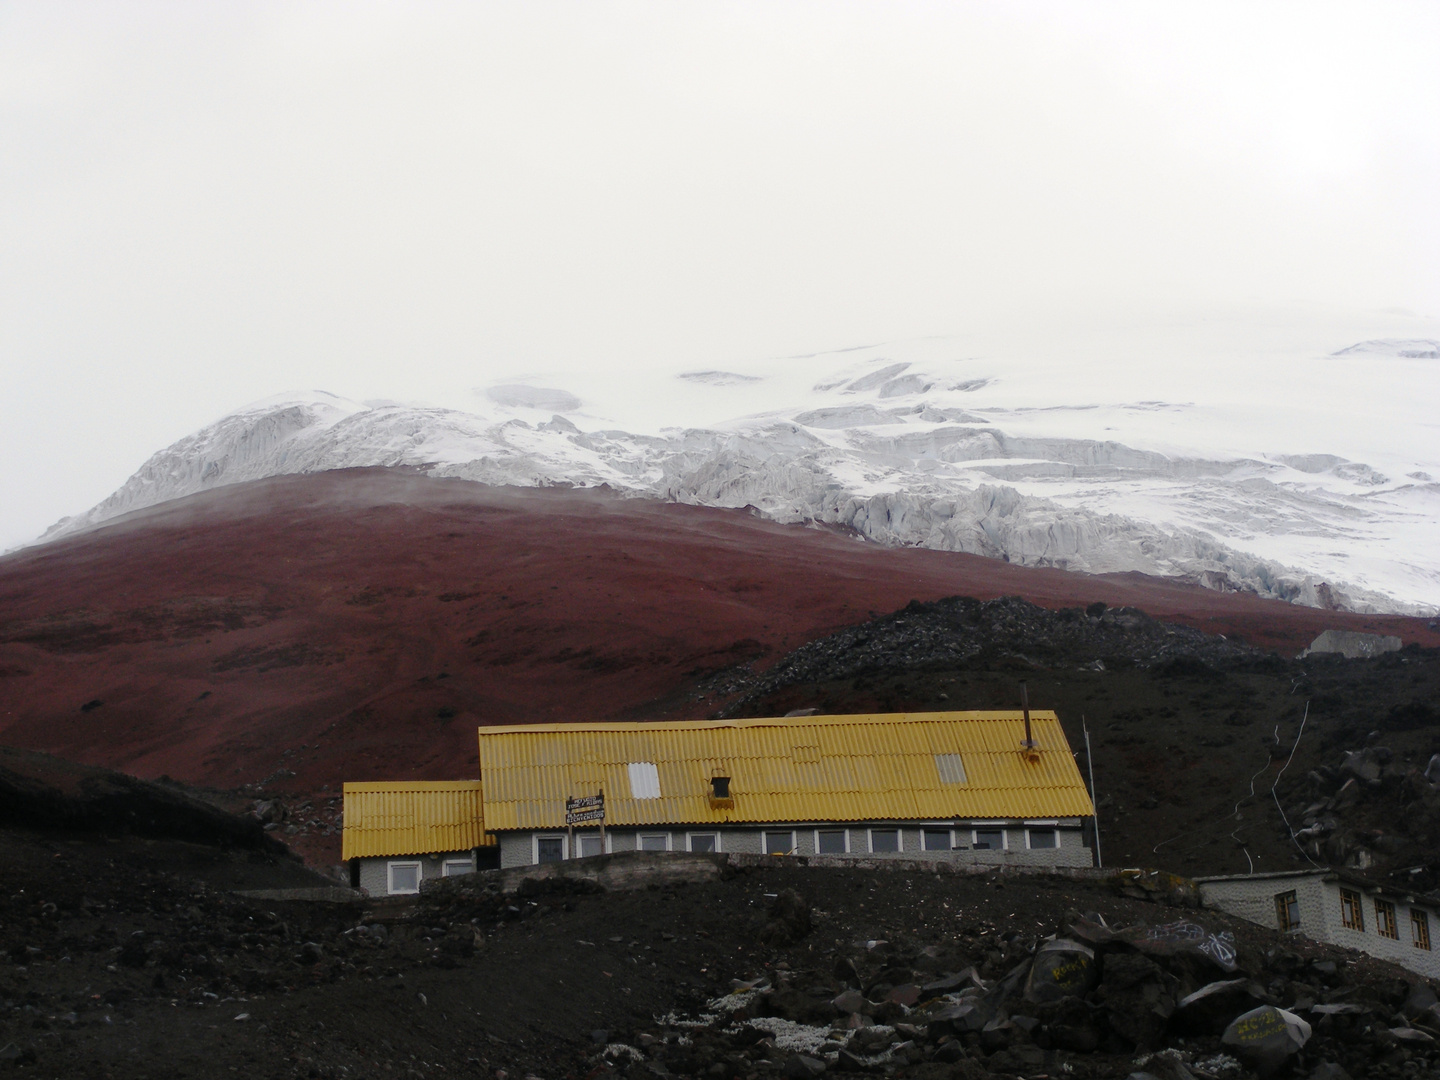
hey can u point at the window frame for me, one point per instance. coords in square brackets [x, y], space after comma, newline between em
[845, 840]
[765, 835]
[580, 838]
[468, 863]
[1283, 902]
[690, 840]
[392, 865]
[640, 841]
[1282, 910]
[1420, 928]
[1387, 925]
[535, 847]
[1051, 829]
[899, 839]
[948, 830]
[976, 830]
[1352, 910]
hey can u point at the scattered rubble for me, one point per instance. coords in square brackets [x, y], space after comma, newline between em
[1136, 1004]
[1368, 808]
[961, 632]
[134, 954]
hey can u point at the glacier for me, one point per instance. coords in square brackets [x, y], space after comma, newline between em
[1229, 479]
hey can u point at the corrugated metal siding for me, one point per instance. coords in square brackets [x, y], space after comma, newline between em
[413, 818]
[814, 768]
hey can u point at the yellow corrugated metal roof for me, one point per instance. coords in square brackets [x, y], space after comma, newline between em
[413, 817]
[812, 768]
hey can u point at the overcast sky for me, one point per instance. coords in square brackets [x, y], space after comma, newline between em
[203, 204]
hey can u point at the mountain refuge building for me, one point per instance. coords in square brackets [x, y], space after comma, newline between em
[1335, 907]
[993, 788]
[398, 833]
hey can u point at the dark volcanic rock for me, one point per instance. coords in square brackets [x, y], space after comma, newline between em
[960, 632]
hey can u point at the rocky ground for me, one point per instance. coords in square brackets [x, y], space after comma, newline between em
[1198, 741]
[128, 957]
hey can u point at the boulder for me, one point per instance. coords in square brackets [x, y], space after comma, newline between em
[789, 919]
[1266, 1037]
[1062, 968]
[1353, 645]
[998, 1034]
[1411, 1035]
[907, 994]
[1420, 1000]
[1432, 769]
[1182, 938]
[1121, 971]
[1209, 1010]
[803, 1067]
[1362, 765]
[954, 981]
[956, 1019]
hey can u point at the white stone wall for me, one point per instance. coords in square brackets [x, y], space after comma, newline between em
[1253, 899]
[375, 874]
[1402, 950]
[518, 849]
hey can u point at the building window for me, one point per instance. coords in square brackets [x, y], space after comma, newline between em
[1385, 920]
[720, 787]
[1041, 838]
[831, 842]
[654, 841]
[456, 867]
[779, 843]
[404, 878]
[882, 840]
[644, 780]
[549, 849]
[589, 844]
[704, 841]
[1352, 915]
[1287, 910]
[989, 840]
[1420, 928]
[936, 840]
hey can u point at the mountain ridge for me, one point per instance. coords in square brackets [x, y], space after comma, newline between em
[905, 454]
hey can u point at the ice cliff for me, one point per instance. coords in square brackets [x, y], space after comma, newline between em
[912, 451]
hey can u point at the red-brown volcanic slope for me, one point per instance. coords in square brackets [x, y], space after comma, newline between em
[360, 624]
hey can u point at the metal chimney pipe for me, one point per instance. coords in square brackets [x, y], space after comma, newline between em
[1025, 704]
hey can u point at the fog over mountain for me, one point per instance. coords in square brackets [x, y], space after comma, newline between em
[1328, 501]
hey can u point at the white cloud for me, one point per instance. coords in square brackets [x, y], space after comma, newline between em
[204, 204]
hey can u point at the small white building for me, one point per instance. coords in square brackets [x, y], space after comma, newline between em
[399, 833]
[1337, 908]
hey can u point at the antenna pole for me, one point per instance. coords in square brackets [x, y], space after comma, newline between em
[1094, 805]
[1025, 705]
